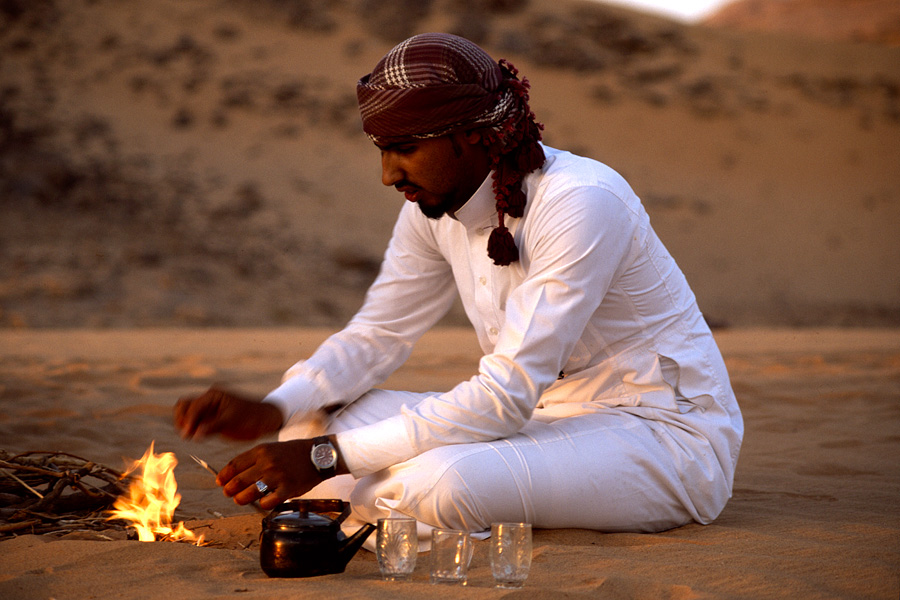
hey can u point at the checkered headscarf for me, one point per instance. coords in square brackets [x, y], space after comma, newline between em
[436, 84]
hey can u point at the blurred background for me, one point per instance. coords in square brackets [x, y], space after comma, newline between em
[201, 162]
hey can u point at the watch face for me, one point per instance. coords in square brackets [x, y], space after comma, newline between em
[324, 456]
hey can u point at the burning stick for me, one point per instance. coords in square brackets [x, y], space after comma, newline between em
[215, 473]
[205, 465]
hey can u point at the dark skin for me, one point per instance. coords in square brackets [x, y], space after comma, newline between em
[440, 175]
[284, 466]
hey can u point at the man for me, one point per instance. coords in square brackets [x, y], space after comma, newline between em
[601, 400]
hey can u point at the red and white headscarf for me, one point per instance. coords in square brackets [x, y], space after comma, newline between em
[436, 84]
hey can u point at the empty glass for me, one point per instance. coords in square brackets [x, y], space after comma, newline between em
[396, 546]
[510, 553]
[451, 552]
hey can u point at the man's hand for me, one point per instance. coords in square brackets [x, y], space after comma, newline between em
[285, 468]
[225, 413]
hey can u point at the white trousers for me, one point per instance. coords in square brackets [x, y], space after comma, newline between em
[605, 468]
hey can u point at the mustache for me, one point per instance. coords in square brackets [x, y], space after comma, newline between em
[405, 184]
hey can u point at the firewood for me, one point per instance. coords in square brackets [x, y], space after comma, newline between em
[55, 493]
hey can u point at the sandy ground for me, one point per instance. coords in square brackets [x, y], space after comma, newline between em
[814, 513]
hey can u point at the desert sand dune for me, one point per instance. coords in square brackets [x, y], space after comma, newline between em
[201, 163]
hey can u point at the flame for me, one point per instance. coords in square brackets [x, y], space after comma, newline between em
[152, 498]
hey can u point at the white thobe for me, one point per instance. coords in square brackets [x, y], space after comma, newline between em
[601, 400]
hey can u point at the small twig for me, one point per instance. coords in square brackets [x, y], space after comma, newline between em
[33, 469]
[94, 492]
[81, 522]
[110, 477]
[51, 497]
[17, 526]
[41, 515]
[28, 487]
[50, 454]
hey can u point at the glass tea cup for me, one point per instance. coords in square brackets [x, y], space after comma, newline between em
[396, 547]
[510, 551]
[451, 552]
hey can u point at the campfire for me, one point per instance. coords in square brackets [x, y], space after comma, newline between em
[56, 493]
[151, 500]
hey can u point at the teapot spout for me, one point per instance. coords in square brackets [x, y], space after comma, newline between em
[353, 543]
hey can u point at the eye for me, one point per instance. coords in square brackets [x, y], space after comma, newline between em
[398, 149]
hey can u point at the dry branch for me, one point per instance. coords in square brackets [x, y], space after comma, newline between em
[55, 492]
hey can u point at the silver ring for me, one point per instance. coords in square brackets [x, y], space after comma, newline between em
[262, 487]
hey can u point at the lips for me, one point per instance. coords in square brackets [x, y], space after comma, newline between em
[410, 192]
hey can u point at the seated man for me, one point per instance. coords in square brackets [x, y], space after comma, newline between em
[601, 401]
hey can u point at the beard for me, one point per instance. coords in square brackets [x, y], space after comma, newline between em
[444, 205]
[432, 205]
[435, 211]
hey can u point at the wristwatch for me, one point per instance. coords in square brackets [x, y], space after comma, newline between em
[324, 456]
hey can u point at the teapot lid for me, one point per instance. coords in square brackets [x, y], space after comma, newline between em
[299, 515]
[301, 520]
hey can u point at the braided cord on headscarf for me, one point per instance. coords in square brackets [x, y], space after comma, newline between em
[515, 152]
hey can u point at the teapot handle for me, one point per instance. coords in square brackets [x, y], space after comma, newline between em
[331, 506]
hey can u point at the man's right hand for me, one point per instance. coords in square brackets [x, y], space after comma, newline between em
[225, 413]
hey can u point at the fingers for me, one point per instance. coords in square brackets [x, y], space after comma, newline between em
[273, 499]
[226, 413]
[196, 417]
[267, 501]
[238, 473]
[277, 465]
[239, 477]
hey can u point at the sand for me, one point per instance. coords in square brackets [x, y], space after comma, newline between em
[814, 513]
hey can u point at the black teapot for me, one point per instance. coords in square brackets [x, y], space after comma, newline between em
[299, 539]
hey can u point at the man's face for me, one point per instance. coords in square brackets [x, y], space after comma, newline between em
[438, 174]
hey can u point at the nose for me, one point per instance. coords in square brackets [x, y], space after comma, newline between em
[391, 173]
